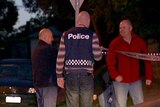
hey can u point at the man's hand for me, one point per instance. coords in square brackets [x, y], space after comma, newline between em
[60, 82]
[119, 78]
[148, 82]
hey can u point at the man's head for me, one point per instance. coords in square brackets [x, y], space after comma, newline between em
[125, 28]
[83, 19]
[46, 35]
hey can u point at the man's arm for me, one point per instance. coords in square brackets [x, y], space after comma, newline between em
[111, 63]
[148, 65]
[60, 63]
[97, 51]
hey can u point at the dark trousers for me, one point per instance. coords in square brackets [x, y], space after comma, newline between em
[79, 87]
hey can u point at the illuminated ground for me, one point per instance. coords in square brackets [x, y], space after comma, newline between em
[151, 94]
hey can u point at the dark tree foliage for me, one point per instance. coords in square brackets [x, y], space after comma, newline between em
[8, 15]
[31, 5]
[150, 25]
[106, 15]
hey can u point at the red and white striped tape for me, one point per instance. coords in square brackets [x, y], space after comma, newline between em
[143, 56]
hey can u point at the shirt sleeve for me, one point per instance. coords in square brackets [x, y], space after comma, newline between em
[111, 63]
[97, 51]
[148, 65]
[60, 58]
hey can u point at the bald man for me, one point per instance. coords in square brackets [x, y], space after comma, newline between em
[124, 70]
[83, 19]
[78, 49]
[43, 67]
[46, 36]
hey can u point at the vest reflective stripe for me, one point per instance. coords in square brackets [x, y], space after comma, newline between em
[79, 62]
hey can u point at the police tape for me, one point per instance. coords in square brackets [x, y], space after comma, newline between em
[142, 56]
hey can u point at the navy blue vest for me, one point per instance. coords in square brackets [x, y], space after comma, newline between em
[78, 48]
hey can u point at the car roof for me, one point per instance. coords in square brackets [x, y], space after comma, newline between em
[18, 77]
[15, 61]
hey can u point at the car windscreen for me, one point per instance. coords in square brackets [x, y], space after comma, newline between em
[16, 74]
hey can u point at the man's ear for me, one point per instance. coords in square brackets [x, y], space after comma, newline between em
[131, 28]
